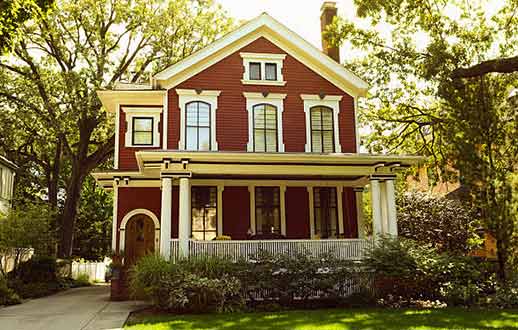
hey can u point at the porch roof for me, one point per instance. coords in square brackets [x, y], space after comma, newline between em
[353, 168]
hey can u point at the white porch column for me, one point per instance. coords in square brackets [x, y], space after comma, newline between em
[282, 191]
[359, 212]
[383, 205]
[251, 190]
[165, 217]
[115, 214]
[340, 207]
[219, 211]
[184, 218]
[376, 207]
[311, 213]
[391, 207]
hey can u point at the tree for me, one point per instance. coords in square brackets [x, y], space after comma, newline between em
[49, 83]
[13, 13]
[442, 75]
[446, 224]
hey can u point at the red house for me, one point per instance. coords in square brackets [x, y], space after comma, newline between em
[253, 137]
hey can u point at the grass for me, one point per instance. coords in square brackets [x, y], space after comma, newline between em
[333, 319]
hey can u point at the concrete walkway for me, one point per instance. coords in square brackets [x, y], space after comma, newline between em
[86, 308]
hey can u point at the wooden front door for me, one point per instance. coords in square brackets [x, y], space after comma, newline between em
[140, 238]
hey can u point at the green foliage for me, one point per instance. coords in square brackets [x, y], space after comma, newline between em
[38, 269]
[7, 295]
[410, 270]
[428, 96]
[52, 119]
[445, 224]
[82, 280]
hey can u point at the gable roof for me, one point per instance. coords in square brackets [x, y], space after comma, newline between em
[263, 26]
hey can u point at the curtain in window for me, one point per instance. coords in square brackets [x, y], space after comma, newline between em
[322, 134]
[204, 212]
[326, 215]
[198, 126]
[265, 128]
[267, 210]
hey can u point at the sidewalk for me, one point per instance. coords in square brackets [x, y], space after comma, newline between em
[86, 308]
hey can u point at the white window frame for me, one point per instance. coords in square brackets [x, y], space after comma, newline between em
[263, 58]
[330, 101]
[253, 99]
[191, 95]
[144, 112]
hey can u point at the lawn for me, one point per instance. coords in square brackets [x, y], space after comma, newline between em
[334, 319]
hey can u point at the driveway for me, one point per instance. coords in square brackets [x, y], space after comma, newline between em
[86, 308]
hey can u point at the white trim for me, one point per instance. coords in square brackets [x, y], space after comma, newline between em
[251, 192]
[274, 99]
[190, 95]
[264, 26]
[219, 211]
[356, 125]
[117, 138]
[391, 207]
[330, 101]
[184, 215]
[165, 123]
[128, 216]
[166, 201]
[359, 212]
[282, 201]
[148, 112]
[263, 58]
[311, 203]
[115, 216]
[340, 209]
[376, 209]
[383, 206]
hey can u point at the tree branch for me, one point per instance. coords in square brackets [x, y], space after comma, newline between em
[501, 65]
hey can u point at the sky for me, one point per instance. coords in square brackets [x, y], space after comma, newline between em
[301, 16]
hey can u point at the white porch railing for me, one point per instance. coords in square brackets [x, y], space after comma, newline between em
[346, 249]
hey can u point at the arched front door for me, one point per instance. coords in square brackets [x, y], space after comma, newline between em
[140, 238]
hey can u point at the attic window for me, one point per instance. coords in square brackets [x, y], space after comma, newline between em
[263, 69]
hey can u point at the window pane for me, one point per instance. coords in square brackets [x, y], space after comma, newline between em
[204, 138]
[204, 212]
[191, 142]
[270, 71]
[255, 71]
[316, 122]
[259, 142]
[143, 124]
[271, 141]
[327, 119]
[271, 118]
[316, 141]
[325, 212]
[328, 141]
[267, 210]
[142, 138]
[259, 120]
[204, 113]
[192, 114]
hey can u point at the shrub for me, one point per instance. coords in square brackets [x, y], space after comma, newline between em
[409, 270]
[38, 269]
[445, 224]
[82, 280]
[7, 295]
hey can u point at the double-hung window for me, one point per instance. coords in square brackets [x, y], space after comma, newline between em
[326, 212]
[267, 210]
[263, 69]
[197, 126]
[322, 129]
[204, 212]
[142, 133]
[265, 128]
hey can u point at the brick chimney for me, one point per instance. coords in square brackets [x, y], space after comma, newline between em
[328, 12]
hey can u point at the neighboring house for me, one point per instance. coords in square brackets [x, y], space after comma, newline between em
[7, 174]
[253, 137]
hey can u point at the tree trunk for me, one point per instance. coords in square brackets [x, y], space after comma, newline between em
[70, 210]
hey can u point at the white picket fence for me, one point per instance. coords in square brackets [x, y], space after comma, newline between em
[95, 270]
[345, 249]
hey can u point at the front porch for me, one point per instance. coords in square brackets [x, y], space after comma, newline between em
[277, 202]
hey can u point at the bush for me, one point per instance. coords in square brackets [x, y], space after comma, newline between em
[445, 224]
[82, 280]
[7, 295]
[413, 271]
[38, 269]
[214, 284]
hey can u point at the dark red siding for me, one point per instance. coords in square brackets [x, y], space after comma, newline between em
[297, 213]
[232, 117]
[175, 212]
[127, 160]
[131, 198]
[236, 212]
[350, 215]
